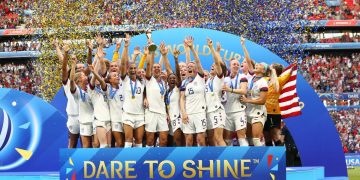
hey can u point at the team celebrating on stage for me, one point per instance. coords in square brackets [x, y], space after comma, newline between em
[123, 104]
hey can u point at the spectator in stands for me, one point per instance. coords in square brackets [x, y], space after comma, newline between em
[20, 76]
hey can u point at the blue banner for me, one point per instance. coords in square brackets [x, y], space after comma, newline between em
[19, 54]
[342, 96]
[337, 108]
[352, 159]
[319, 46]
[333, 2]
[174, 163]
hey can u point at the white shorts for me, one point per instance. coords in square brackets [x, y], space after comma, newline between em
[117, 127]
[86, 129]
[73, 124]
[175, 124]
[216, 119]
[103, 124]
[235, 121]
[197, 123]
[94, 126]
[255, 119]
[155, 122]
[133, 120]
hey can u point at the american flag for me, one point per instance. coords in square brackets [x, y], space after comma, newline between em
[288, 100]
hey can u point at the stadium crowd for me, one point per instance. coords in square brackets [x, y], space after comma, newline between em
[12, 46]
[319, 10]
[18, 13]
[332, 73]
[20, 76]
[344, 37]
[347, 123]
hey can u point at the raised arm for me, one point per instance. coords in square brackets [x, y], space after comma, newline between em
[64, 63]
[58, 50]
[190, 43]
[89, 45]
[217, 58]
[274, 80]
[187, 52]
[97, 77]
[116, 51]
[164, 51]
[177, 67]
[149, 65]
[72, 76]
[125, 55]
[135, 54]
[247, 55]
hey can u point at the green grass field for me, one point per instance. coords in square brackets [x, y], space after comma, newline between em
[354, 173]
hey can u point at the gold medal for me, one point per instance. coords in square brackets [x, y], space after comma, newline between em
[132, 97]
[212, 94]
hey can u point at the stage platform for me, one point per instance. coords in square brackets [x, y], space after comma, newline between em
[292, 173]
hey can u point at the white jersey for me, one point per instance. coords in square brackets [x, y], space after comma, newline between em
[116, 101]
[213, 93]
[155, 91]
[249, 76]
[194, 94]
[133, 105]
[72, 106]
[256, 85]
[99, 99]
[233, 103]
[86, 110]
[173, 100]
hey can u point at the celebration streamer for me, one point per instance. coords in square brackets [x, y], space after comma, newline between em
[276, 25]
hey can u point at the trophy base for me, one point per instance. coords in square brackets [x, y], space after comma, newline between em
[152, 47]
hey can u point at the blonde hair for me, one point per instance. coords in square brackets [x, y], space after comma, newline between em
[77, 77]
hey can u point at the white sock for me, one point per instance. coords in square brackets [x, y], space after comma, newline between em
[243, 142]
[103, 145]
[149, 146]
[128, 145]
[138, 145]
[250, 141]
[257, 142]
[228, 142]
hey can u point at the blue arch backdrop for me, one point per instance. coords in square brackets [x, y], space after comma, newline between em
[314, 132]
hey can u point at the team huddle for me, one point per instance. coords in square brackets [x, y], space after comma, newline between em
[122, 104]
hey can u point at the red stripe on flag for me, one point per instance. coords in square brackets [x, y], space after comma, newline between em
[288, 89]
[287, 98]
[294, 104]
[297, 113]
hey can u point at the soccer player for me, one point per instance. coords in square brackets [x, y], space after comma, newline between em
[173, 100]
[192, 100]
[116, 99]
[256, 110]
[78, 86]
[216, 115]
[235, 86]
[99, 96]
[72, 106]
[155, 114]
[133, 107]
